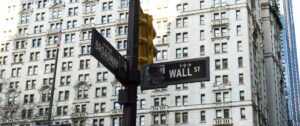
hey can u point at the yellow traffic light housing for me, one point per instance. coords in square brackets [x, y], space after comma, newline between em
[147, 51]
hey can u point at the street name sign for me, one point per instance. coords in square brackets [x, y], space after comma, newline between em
[105, 53]
[160, 75]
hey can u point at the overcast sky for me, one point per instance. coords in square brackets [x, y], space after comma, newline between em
[296, 9]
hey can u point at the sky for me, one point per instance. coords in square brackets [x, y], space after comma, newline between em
[296, 4]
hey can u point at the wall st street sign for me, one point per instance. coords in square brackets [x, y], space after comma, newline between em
[161, 75]
[105, 53]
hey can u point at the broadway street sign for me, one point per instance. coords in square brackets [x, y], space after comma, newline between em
[105, 53]
[161, 75]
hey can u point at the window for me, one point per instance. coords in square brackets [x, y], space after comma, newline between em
[83, 77]
[177, 117]
[142, 120]
[218, 97]
[15, 72]
[32, 70]
[225, 79]
[73, 11]
[86, 49]
[237, 1]
[18, 58]
[179, 23]
[102, 76]
[185, 7]
[218, 113]
[90, 7]
[110, 5]
[238, 14]
[181, 117]
[224, 63]
[90, 20]
[202, 20]
[185, 100]
[122, 44]
[202, 35]
[239, 46]
[201, 4]
[164, 54]
[20, 44]
[217, 64]
[71, 24]
[123, 30]
[65, 80]
[226, 97]
[202, 116]
[202, 98]
[82, 92]
[3, 60]
[40, 16]
[179, 8]
[84, 64]
[217, 32]
[52, 40]
[241, 78]
[56, 13]
[86, 35]
[38, 29]
[240, 62]
[243, 113]
[216, 3]
[242, 95]
[238, 30]
[185, 52]
[104, 6]
[68, 52]
[67, 66]
[224, 48]
[74, 1]
[42, 4]
[70, 38]
[185, 37]
[143, 104]
[178, 100]
[34, 56]
[124, 3]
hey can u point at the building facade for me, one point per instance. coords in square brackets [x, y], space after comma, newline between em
[9, 19]
[230, 32]
[290, 60]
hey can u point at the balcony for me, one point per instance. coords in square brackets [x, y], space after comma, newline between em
[122, 21]
[117, 112]
[223, 122]
[7, 122]
[53, 31]
[221, 86]
[87, 26]
[20, 36]
[41, 117]
[159, 108]
[79, 115]
[220, 22]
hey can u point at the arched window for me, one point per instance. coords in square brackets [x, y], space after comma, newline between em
[12, 98]
[45, 95]
[82, 92]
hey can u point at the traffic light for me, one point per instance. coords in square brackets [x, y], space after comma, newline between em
[147, 51]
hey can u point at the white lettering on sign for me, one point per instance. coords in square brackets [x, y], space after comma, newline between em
[107, 54]
[177, 73]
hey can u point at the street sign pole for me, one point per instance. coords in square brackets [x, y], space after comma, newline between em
[129, 111]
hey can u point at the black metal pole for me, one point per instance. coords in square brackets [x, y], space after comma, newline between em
[52, 89]
[54, 76]
[129, 111]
